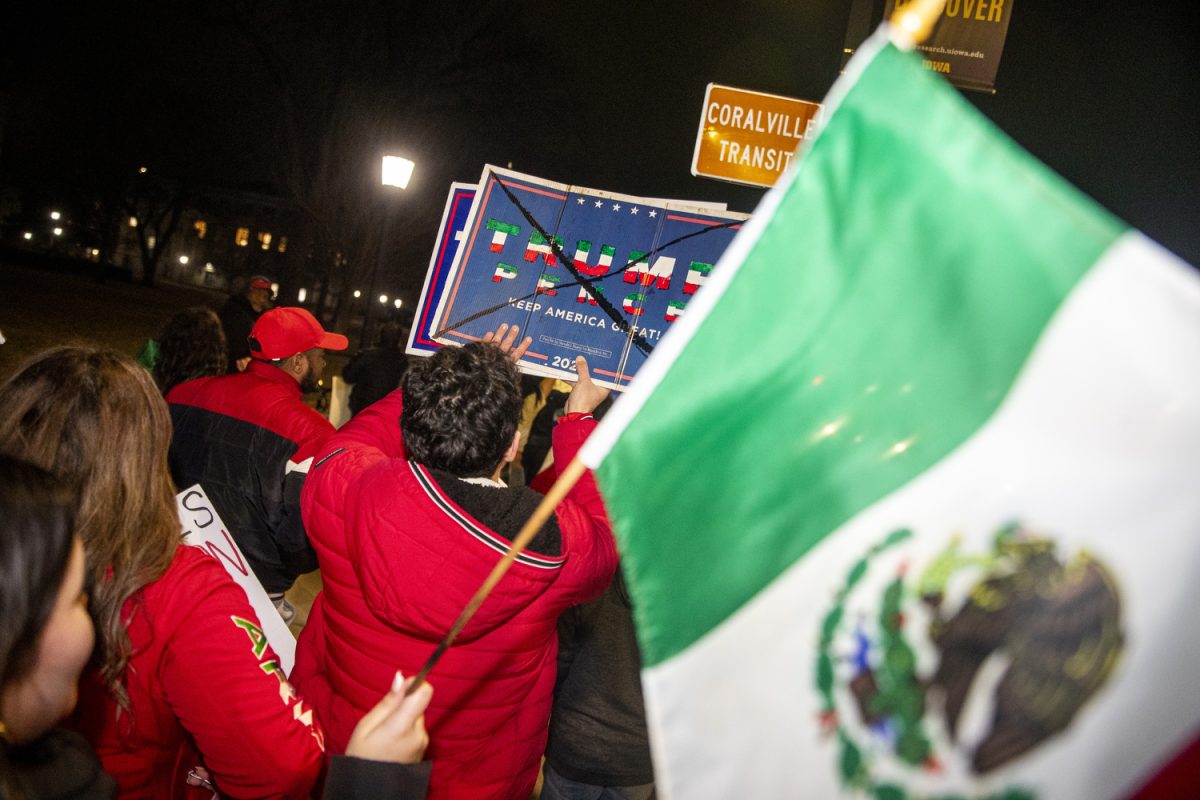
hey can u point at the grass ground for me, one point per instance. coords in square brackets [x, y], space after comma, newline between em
[41, 308]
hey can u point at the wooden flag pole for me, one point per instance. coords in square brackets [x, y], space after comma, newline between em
[569, 477]
[913, 22]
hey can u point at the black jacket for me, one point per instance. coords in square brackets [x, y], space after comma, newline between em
[237, 320]
[248, 439]
[59, 766]
[598, 730]
[374, 373]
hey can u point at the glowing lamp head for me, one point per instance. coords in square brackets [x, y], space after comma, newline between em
[397, 171]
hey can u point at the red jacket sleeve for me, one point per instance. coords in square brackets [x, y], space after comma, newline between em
[583, 521]
[224, 684]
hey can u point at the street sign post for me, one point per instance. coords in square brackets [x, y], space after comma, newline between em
[749, 137]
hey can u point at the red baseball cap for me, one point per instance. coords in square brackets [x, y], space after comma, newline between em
[264, 283]
[283, 332]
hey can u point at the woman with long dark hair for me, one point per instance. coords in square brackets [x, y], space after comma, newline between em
[181, 662]
[191, 345]
[45, 639]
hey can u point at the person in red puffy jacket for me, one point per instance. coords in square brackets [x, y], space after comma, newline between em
[183, 673]
[403, 544]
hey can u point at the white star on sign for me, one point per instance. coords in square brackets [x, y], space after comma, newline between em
[616, 206]
[633, 210]
[599, 203]
[654, 213]
[579, 200]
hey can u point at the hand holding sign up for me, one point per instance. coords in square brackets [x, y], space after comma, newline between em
[504, 336]
[585, 395]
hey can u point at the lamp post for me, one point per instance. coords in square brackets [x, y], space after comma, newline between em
[395, 171]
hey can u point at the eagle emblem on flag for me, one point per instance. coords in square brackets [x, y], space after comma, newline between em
[964, 665]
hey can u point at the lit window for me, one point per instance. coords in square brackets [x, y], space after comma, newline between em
[133, 222]
[283, 244]
[265, 238]
[242, 237]
[201, 228]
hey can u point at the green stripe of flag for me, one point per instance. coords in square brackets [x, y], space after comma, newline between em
[503, 227]
[914, 255]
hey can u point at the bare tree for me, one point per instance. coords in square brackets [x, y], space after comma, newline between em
[155, 205]
[352, 80]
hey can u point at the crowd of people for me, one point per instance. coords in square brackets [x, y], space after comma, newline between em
[133, 665]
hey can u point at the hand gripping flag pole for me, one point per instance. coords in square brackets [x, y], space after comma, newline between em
[569, 477]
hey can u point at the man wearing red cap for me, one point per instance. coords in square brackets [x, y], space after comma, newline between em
[238, 316]
[248, 439]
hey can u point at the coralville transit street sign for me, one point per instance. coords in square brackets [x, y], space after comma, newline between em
[749, 137]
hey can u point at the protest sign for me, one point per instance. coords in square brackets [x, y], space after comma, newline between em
[203, 528]
[582, 271]
[450, 232]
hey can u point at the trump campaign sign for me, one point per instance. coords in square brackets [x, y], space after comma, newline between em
[582, 271]
[450, 234]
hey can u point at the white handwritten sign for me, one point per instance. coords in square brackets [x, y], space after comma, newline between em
[203, 528]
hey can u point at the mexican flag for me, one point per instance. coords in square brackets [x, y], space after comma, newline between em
[909, 500]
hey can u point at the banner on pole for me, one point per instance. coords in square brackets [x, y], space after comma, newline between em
[965, 46]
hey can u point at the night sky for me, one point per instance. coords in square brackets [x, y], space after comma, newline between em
[602, 95]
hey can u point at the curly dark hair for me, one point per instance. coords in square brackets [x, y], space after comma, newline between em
[461, 409]
[191, 345]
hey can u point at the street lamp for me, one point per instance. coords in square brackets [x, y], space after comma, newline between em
[395, 171]
[55, 215]
[357, 294]
[398, 302]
